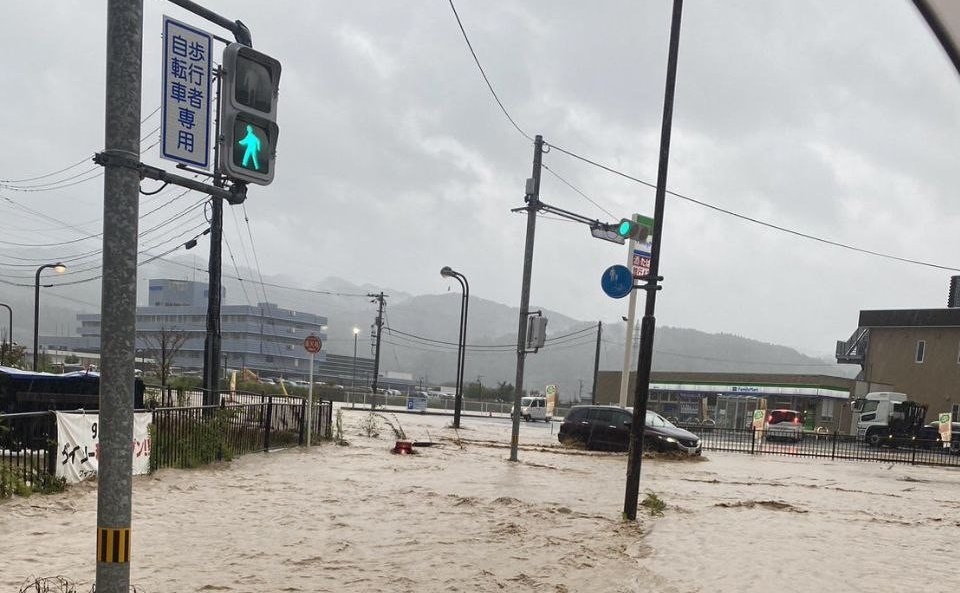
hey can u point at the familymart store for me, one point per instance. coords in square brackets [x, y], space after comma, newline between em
[731, 405]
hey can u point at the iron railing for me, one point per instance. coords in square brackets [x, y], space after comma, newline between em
[829, 446]
[180, 437]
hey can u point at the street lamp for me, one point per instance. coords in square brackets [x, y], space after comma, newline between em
[448, 272]
[60, 268]
[9, 336]
[353, 382]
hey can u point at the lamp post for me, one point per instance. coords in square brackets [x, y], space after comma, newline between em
[9, 335]
[353, 382]
[60, 268]
[448, 272]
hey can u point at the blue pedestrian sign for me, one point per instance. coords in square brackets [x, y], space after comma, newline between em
[617, 281]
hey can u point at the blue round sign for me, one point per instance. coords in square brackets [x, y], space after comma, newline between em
[617, 281]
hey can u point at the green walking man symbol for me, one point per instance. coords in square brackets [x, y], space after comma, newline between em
[251, 144]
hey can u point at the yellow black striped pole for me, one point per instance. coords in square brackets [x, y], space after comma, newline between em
[113, 545]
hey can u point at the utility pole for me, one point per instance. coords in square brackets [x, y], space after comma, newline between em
[596, 364]
[121, 197]
[645, 358]
[380, 299]
[211, 344]
[532, 198]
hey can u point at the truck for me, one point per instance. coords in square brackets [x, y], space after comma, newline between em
[888, 418]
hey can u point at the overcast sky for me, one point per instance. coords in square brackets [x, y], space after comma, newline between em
[837, 119]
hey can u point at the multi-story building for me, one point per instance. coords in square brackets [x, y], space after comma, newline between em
[912, 351]
[263, 338]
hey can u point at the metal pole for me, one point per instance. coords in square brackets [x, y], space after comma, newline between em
[533, 203]
[596, 364]
[628, 338]
[9, 335]
[36, 317]
[353, 382]
[465, 305]
[119, 295]
[458, 398]
[211, 345]
[310, 402]
[645, 358]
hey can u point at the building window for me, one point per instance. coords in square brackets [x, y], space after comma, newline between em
[826, 410]
[921, 347]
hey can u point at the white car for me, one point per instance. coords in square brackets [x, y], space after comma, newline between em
[784, 424]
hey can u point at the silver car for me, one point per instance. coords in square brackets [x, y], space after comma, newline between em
[784, 425]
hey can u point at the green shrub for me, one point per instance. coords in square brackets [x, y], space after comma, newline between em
[194, 443]
[654, 504]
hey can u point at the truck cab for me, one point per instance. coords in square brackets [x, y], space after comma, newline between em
[887, 417]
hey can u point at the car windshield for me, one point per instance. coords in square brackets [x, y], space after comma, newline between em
[778, 416]
[525, 402]
[654, 419]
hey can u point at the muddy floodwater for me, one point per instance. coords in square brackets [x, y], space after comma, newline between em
[458, 516]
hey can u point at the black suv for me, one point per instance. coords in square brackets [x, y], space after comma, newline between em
[608, 427]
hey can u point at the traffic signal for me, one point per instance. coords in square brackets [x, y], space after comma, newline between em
[248, 114]
[536, 332]
[631, 229]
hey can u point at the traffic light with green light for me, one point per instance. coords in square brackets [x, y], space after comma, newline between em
[631, 229]
[248, 114]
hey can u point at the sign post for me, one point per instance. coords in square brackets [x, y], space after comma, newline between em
[311, 344]
[185, 121]
[639, 255]
[946, 429]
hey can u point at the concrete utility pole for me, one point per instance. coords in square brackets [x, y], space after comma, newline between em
[596, 364]
[532, 198]
[381, 300]
[121, 185]
[645, 359]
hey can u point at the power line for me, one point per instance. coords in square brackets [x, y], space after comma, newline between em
[74, 165]
[476, 60]
[576, 189]
[755, 220]
[682, 196]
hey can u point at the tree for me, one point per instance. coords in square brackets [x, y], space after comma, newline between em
[15, 358]
[164, 345]
[504, 392]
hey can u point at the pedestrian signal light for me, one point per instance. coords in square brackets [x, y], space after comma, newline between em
[248, 114]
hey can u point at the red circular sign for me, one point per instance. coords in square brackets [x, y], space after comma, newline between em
[312, 344]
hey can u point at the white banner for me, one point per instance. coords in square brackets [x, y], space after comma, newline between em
[78, 445]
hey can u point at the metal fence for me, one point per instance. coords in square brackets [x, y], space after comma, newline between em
[180, 437]
[828, 446]
[27, 451]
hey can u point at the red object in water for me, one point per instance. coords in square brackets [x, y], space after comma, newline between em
[403, 448]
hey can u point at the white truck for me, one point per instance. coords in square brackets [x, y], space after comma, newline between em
[882, 417]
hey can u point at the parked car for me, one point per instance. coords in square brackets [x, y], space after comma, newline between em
[784, 425]
[608, 427]
[929, 437]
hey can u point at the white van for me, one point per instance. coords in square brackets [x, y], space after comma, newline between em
[534, 408]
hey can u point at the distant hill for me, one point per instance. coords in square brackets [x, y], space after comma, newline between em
[420, 333]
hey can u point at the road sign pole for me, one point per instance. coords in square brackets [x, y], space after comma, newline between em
[119, 288]
[310, 402]
[628, 339]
